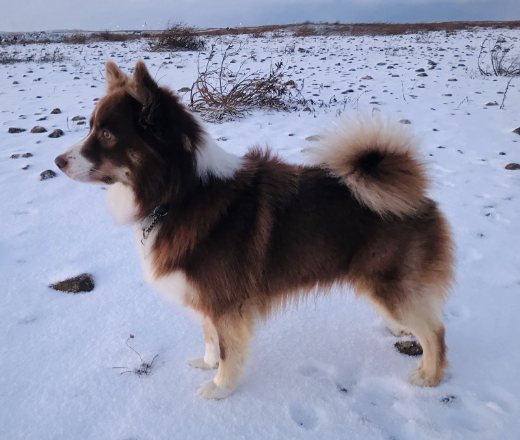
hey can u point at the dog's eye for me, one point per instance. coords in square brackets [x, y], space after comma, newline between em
[107, 135]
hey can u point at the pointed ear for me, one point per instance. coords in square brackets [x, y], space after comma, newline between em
[144, 87]
[115, 78]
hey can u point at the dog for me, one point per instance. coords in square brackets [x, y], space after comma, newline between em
[238, 238]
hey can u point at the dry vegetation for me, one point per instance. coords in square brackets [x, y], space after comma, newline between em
[177, 36]
[11, 57]
[224, 92]
[496, 58]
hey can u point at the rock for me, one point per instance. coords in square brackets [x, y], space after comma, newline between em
[27, 155]
[405, 121]
[56, 111]
[410, 348]
[307, 109]
[38, 129]
[448, 399]
[56, 133]
[222, 138]
[47, 174]
[492, 103]
[375, 103]
[80, 123]
[517, 131]
[184, 89]
[314, 138]
[78, 118]
[44, 118]
[381, 64]
[452, 79]
[15, 156]
[367, 77]
[513, 166]
[347, 91]
[81, 283]
[16, 82]
[26, 167]
[16, 130]
[291, 84]
[422, 74]
[420, 70]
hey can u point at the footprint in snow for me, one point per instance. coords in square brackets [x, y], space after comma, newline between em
[303, 416]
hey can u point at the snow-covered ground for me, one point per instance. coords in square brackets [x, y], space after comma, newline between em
[326, 371]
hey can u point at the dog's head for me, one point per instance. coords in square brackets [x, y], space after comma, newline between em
[140, 135]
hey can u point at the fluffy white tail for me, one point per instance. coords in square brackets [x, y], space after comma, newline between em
[377, 160]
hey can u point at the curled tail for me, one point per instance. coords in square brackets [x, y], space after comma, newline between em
[377, 160]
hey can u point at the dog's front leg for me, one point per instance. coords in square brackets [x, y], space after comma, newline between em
[234, 333]
[212, 354]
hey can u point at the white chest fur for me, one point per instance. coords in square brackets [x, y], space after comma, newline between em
[174, 287]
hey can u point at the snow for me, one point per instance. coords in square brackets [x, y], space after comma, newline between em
[327, 370]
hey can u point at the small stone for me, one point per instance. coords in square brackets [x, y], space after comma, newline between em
[452, 79]
[307, 109]
[290, 134]
[367, 77]
[56, 133]
[420, 70]
[47, 174]
[513, 166]
[16, 82]
[38, 129]
[375, 103]
[26, 167]
[27, 155]
[184, 89]
[222, 138]
[492, 103]
[56, 111]
[44, 118]
[15, 156]
[381, 64]
[314, 138]
[76, 77]
[347, 91]
[80, 123]
[410, 348]
[423, 74]
[81, 283]
[16, 130]
[517, 131]
[405, 121]
[78, 118]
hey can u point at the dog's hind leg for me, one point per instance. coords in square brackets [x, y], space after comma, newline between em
[393, 326]
[419, 312]
[212, 354]
[234, 333]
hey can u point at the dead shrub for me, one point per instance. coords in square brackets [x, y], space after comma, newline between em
[77, 38]
[177, 36]
[12, 57]
[111, 36]
[498, 59]
[225, 93]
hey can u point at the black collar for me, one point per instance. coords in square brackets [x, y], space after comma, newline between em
[156, 215]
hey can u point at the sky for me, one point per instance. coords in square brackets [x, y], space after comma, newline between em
[35, 15]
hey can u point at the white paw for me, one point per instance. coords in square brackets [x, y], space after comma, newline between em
[420, 379]
[397, 330]
[210, 390]
[200, 363]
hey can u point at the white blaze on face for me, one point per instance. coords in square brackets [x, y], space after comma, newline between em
[78, 166]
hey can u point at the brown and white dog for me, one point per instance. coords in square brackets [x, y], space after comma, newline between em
[236, 238]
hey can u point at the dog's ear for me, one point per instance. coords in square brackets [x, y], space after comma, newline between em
[144, 88]
[115, 78]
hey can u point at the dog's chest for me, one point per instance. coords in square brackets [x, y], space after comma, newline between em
[174, 286]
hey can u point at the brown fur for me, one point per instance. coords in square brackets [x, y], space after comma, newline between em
[275, 232]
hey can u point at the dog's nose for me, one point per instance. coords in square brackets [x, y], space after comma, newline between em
[61, 162]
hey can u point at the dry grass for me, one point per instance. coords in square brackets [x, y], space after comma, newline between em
[77, 38]
[12, 57]
[177, 36]
[496, 58]
[223, 93]
[359, 29]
